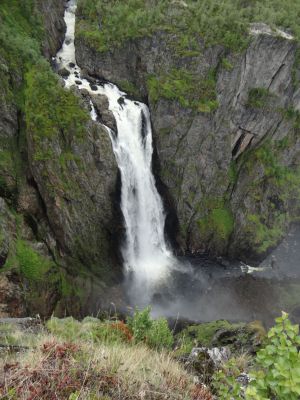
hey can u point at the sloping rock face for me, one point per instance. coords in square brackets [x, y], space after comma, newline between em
[59, 221]
[55, 27]
[230, 167]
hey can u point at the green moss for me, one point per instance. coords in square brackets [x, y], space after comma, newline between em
[233, 172]
[33, 266]
[186, 88]
[218, 221]
[292, 115]
[266, 229]
[128, 87]
[202, 335]
[258, 98]
[265, 237]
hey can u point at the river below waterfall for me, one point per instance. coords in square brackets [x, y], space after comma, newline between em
[198, 289]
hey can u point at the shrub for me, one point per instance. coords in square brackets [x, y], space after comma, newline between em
[186, 88]
[160, 335]
[140, 324]
[155, 333]
[276, 369]
[258, 97]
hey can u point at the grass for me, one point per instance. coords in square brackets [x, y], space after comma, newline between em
[56, 367]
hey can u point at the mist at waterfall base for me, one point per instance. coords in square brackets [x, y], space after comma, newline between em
[195, 288]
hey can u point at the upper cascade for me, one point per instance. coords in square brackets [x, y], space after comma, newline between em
[147, 258]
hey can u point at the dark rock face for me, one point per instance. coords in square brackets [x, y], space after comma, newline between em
[53, 18]
[79, 198]
[102, 106]
[61, 213]
[224, 170]
[12, 302]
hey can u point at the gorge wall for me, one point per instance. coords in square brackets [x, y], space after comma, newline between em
[59, 216]
[226, 126]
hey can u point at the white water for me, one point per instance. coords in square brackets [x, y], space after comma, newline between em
[147, 259]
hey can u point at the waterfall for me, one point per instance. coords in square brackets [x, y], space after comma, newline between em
[147, 258]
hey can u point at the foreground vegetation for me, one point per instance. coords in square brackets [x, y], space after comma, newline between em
[110, 359]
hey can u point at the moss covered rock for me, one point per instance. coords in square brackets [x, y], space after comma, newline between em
[237, 336]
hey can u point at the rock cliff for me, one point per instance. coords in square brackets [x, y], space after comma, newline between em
[59, 218]
[226, 129]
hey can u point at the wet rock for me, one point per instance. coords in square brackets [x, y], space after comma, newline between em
[85, 75]
[101, 104]
[78, 82]
[243, 379]
[71, 65]
[63, 72]
[121, 101]
[204, 361]
[247, 337]
[236, 336]
[93, 87]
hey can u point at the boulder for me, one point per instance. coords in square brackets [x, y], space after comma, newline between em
[106, 116]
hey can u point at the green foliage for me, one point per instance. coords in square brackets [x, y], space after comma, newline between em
[20, 36]
[258, 98]
[276, 368]
[293, 115]
[155, 333]
[51, 111]
[102, 23]
[283, 182]
[200, 335]
[233, 172]
[226, 64]
[160, 336]
[107, 24]
[218, 221]
[186, 88]
[266, 237]
[225, 383]
[90, 329]
[33, 266]
[140, 324]
[128, 87]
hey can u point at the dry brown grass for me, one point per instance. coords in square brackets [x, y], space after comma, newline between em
[55, 370]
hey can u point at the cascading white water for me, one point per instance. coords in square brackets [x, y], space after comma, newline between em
[147, 258]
